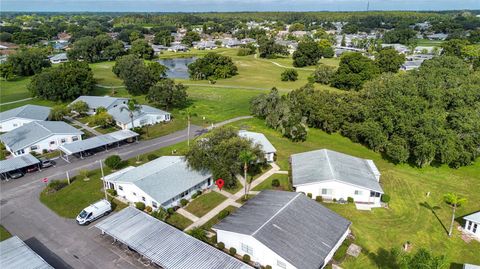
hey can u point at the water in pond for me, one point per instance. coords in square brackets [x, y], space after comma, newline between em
[177, 67]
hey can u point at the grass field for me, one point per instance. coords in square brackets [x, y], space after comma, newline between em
[406, 219]
[267, 184]
[204, 203]
[209, 224]
[426, 42]
[4, 234]
[179, 221]
[14, 90]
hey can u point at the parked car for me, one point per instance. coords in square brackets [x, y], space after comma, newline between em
[15, 174]
[44, 162]
[94, 211]
[32, 169]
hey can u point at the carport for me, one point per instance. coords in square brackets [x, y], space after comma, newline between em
[101, 141]
[16, 163]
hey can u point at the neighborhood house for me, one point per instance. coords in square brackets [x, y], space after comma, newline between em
[472, 224]
[334, 175]
[162, 182]
[284, 230]
[14, 118]
[94, 102]
[39, 136]
[146, 115]
[260, 139]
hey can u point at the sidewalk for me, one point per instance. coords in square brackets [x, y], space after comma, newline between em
[187, 214]
[84, 126]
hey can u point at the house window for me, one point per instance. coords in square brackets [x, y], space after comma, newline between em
[134, 194]
[474, 228]
[120, 188]
[143, 199]
[15, 125]
[281, 264]
[327, 191]
[357, 192]
[63, 140]
[52, 142]
[248, 249]
[469, 225]
[33, 147]
[74, 138]
[154, 204]
[20, 152]
[375, 194]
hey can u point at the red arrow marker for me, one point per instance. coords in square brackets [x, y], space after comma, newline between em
[220, 182]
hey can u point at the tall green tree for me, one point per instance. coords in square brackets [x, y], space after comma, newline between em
[212, 66]
[190, 37]
[454, 201]
[142, 49]
[167, 94]
[307, 53]
[131, 107]
[267, 48]
[27, 62]
[354, 69]
[389, 60]
[137, 76]
[163, 37]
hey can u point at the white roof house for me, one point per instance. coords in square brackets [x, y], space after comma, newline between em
[260, 139]
[59, 58]
[163, 244]
[472, 224]
[163, 181]
[94, 102]
[334, 175]
[146, 115]
[38, 136]
[14, 254]
[284, 230]
[14, 118]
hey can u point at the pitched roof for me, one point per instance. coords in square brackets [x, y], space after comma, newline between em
[59, 57]
[298, 229]
[475, 217]
[325, 165]
[123, 116]
[258, 138]
[97, 141]
[33, 132]
[166, 246]
[32, 112]
[94, 102]
[17, 163]
[163, 178]
[14, 253]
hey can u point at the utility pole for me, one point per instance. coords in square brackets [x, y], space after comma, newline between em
[68, 178]
[103, 176]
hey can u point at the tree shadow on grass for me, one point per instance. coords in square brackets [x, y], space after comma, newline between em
[433, 209]
[384, 259]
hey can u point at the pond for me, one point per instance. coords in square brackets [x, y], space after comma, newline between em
[177, 67]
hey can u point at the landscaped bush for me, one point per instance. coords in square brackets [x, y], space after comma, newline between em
[220, 245]
[319, 199]
[309, 195]
[112, 192]
[223, 214]
[170, 211]
[385, 198]
[198, 233]
[151, 157]
[268, 267]
[196, 194]
[232, 251]
[289, 75]
[148, 209]
[350, 199]
[275, 183]
[57, 185]
[334, 200]
[140, 206]
[184, 202]
[246, 258]
[160, 214]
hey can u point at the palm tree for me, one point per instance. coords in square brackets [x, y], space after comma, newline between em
[246, 157]
[454, 201]
[132, 106]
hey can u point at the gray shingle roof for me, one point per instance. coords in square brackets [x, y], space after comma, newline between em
[17, 163]
[32, 112]
[124, 116]
[325, 165]
[295, 227]
[168, 247]
[475, 217]
[14, 254]
[95, 102]
[36, 131]
[164, 177]
[258, 138]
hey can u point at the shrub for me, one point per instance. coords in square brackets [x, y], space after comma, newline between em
[57, 185]
[289, 75]
[113, 162]
[194, 196]
[323, 74]
[220, 245]
[334, 200]
[140, 206]
[268, 267]
[198, 233]
[385, 198]
[223, 214]
[275, 183]
[319, 199]
[309, 195]
[350, 199]
[148, 209]
[112, 192]
[160, 214]
[44, 151]
[232, 251]
[170, 211]
[246, 258]
[198, 193]
[151, 157]
[184, 202]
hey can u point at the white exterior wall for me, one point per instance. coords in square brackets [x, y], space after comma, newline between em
[261, 253]
[471, 225]
[339, 190]
[13, 123]
[148, 119]
[269, 157]
[45, 144]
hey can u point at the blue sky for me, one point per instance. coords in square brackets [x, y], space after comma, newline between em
[232, 5]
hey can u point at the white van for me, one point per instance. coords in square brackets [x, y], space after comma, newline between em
[93, 212]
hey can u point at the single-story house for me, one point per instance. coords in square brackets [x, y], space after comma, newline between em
[285, 230]
[14, 118]
[14, 254]
[472, 224]
[334, 175]
[157, 49]
[398, 47]
[260, 139]
[59, 58]
[146, 115]
[162, 182]
[205, 45]
[94, 102]
[410, 65]
[177, 48]
[231, 43]
[39, 136]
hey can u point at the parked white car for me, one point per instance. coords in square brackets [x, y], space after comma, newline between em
[94, 211]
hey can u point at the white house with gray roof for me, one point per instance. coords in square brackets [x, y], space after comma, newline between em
[39, 136]
[260, 139]
[146, 115]
[94, 102]
[334, 175]
[285, 230]
[161, 182]
[17, 117]
[472, 224]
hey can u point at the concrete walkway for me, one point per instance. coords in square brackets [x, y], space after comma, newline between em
[187, 214]
[17, 101]
[83, 125]
[232, 198]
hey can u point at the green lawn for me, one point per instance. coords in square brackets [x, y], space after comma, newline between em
[103, 74]
[204, 203]
[426, 42]
[179, 221]
[238, 187]
[14, 90]
[209, 224]
[406, 219]
[267, 184]
[4, 234]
